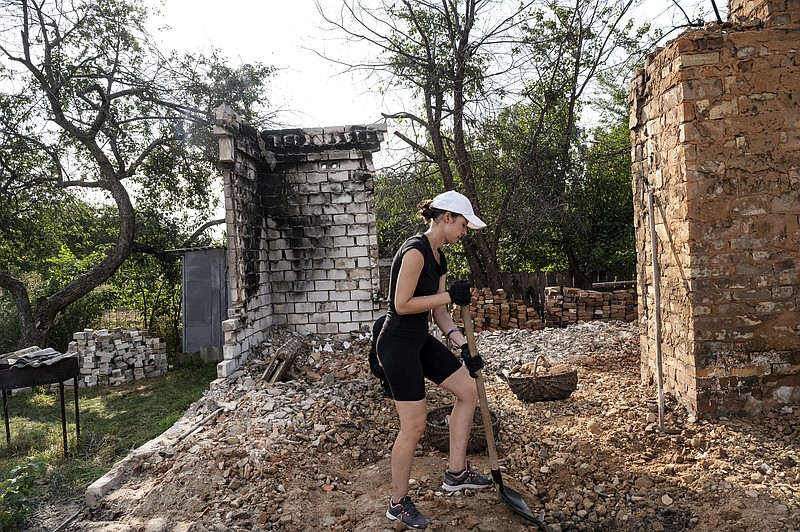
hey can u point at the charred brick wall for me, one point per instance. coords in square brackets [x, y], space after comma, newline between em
[302, 237]
[715, 128]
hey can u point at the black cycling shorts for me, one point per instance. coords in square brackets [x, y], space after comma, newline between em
[408, 361]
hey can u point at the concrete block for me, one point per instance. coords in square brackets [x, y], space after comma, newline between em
[344, 241]
[226, 367]
[324, 285]
[231, 352]
[346, 285]
[295, 319]
[340, 317]
[230, 325]
[342, 306]
[309, 328]
[319, 317]
[102, 486]
[328, 328]
[319, 296]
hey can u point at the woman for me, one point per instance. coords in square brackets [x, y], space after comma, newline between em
[409, 354]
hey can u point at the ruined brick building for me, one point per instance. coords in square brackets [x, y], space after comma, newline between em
[715, 128]
[300, 221]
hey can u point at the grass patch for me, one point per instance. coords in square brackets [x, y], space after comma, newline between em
[114, 420]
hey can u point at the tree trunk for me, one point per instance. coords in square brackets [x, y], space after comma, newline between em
[35, 324]
[579, 279]
[28, 333]
[481, 262]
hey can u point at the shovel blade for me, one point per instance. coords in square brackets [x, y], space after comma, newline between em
[514, 499]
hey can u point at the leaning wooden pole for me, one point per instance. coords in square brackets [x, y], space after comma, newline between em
[657, 297]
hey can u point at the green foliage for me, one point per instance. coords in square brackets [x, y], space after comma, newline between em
[81, 315]
[14, 492]
[607, 201]
[396, 208]
[500, 90]
[92, 113]
[150, 280]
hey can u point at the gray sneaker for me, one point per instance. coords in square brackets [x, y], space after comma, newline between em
[469, 478]
[405, 512]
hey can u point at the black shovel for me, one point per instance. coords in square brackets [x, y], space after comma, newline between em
[512, 497]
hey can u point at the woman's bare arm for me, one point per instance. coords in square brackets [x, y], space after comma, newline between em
[404, 300]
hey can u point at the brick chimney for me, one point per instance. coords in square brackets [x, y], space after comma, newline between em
[715, 129]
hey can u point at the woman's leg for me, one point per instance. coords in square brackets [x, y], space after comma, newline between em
[412, 425]
[464, 388]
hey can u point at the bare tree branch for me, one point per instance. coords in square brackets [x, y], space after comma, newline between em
[200, 230]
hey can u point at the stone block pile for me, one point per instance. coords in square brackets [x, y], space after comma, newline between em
[114, 356]
[492, 311]
[566, 305]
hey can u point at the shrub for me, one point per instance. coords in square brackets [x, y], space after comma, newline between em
[14, 504]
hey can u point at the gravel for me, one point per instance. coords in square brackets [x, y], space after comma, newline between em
[312, 453]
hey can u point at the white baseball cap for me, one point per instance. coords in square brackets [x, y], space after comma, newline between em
[458, 203]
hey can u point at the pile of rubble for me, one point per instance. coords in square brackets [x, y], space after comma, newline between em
[114, 356]
[312, 452]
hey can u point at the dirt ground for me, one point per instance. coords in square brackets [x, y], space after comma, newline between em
[312, 453]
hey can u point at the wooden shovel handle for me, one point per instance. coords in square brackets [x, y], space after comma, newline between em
[469, 333]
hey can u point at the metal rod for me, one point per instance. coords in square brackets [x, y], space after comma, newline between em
[63, 416]
[77, 411]
[657, 297]
[5, 416]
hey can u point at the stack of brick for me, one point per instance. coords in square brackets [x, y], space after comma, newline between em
[623, 306]
[494, 311]
[112, 357]
[565, 306]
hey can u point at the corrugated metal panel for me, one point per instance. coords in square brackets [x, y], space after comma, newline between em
[204, 299]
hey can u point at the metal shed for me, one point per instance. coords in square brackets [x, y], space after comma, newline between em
[205, 301]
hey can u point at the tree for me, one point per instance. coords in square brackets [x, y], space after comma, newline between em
[150, 280]
[607, 197]
[95, 107]
[471, 64]
[431, 48]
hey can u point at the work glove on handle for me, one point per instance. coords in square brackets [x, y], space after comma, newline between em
[460, 293]
[473, 363]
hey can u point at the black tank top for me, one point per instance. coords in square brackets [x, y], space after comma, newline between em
[414, 325]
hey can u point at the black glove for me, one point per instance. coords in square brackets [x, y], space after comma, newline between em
[473, 363]
[459, 293]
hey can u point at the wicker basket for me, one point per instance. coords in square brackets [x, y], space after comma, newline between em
[437, 429]
[544, 387]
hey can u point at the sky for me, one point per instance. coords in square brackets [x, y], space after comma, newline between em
[309, 90]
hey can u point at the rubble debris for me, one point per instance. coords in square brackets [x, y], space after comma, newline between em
[312, 452]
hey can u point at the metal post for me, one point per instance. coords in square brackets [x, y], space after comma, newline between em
[657, 297]
[77, 412]
[5, 416]
[63, 416]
